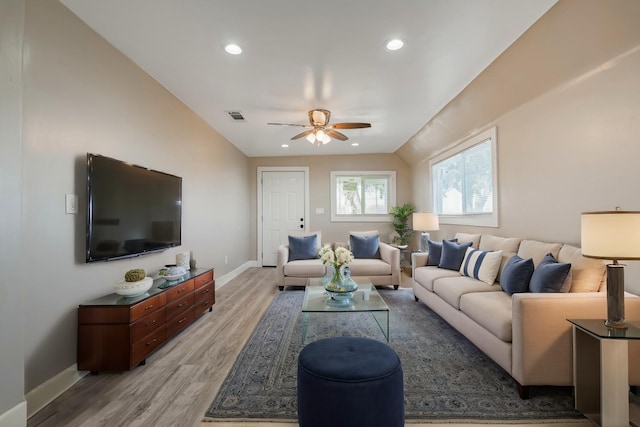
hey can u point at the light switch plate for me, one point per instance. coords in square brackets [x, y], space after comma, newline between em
[71, 203]
[319, 211]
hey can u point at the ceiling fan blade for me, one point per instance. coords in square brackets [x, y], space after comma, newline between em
[319, 117]
[335, 134]
[289, 124]
[302, 134]
[350, 125]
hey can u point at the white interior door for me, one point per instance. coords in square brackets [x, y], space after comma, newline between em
[283, 210]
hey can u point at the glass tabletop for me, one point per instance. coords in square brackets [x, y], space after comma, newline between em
[598, 328]
[366, 298]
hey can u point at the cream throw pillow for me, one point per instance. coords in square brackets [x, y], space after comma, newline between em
[481, 265]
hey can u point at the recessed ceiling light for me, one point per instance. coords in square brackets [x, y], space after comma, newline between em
[354, 144]
[285, 146]
[233, 49]
[394, 44]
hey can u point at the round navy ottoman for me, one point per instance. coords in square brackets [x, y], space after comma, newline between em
[350, 381]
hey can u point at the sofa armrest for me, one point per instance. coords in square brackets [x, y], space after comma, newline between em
[282, 259]
[418, 259]
[542, 336]
[391, 255]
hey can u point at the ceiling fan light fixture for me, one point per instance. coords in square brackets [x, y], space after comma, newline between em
[311, 138]
[394, 44]
[233, 49]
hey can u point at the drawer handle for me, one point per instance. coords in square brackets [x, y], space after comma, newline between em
[150, 323]
[149, 307]
[206, 302]
[206, 292]
[180, 321]
[152, 341]
[181, 291]
[181, 304]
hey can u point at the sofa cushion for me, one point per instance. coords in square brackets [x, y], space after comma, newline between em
[587, 274]
[369, 267]
[516, 275]
[308, 233]
[474, 239]
[549, 275]
[450, 289]
[537, 250]
[491, 310]
[364, 233]
[304, 247]
[305, 268]
[425, 276]
[481, 265]
[508, 245]
[435, 251]
[365, 246]
[452, 254]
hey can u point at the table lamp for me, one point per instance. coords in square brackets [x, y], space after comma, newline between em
[613, 235]
[425, 222]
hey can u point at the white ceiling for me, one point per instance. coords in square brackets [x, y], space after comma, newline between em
[300, 54]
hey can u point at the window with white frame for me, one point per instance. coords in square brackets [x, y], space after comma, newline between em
[362, 195]
[464, 182]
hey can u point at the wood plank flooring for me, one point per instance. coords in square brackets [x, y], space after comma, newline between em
[181, 379]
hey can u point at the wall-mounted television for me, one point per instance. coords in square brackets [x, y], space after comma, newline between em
[131, 210]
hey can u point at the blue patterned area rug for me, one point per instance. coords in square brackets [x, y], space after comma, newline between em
[447, 379]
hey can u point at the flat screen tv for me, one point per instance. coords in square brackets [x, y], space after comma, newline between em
[131, 210]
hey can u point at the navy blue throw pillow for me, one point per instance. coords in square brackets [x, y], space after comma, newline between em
[453, 255]
[435, 252]
[549, 275]
[365, 246]
[303, 247]
[516, 275]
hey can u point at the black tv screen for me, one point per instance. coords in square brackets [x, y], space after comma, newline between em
[131, 210]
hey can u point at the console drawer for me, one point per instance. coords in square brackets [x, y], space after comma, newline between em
[180, 306]
[204, 279]
[205, 298]
[147, 324]
[179, 291]
[180, 322]
[141, 349]
[148, 306]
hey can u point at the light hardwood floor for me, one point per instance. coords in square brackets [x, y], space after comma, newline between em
[181, 379]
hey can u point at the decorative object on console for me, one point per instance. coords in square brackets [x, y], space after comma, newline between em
[135, 288]
[174, 272]
[613, 235]
[400, 221]
[182, 259]
[135, 275]
[425, 222]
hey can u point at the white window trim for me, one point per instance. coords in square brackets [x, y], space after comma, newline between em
[362, 218]
[479, 220]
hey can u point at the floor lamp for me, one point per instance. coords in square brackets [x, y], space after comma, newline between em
[425, 222]
[613, 235]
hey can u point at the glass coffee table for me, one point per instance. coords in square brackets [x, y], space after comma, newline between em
[317, 304]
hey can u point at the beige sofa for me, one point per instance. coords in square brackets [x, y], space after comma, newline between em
[527, 334]
[381, 272]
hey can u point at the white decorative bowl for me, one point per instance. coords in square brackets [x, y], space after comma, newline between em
[133, 289]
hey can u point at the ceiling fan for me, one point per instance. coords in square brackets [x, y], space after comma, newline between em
[319, 129]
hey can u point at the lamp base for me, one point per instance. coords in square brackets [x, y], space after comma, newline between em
[424, 245]
[615, 296]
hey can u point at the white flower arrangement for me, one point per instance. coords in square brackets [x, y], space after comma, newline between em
[337, 258]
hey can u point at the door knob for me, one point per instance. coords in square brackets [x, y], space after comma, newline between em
[301, 226]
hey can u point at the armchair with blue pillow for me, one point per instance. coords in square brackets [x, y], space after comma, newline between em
[298, 260]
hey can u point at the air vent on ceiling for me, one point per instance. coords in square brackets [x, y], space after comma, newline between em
[236, 116]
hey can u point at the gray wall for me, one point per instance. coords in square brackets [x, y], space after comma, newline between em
[11, 290]
[81, 95]
[565, 102]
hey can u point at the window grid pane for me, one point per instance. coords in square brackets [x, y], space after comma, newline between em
[348, 195]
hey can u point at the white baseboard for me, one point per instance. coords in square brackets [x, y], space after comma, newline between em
[46, 392]
[14, 417]
[226, 278]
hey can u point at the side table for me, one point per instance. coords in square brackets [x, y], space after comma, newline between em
[601, 370]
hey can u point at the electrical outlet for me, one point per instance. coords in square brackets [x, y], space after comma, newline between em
[71, 203]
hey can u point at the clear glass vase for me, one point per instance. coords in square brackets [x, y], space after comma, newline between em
[338, 284]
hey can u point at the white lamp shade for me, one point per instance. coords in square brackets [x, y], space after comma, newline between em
[613, 235]
[424, 221]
